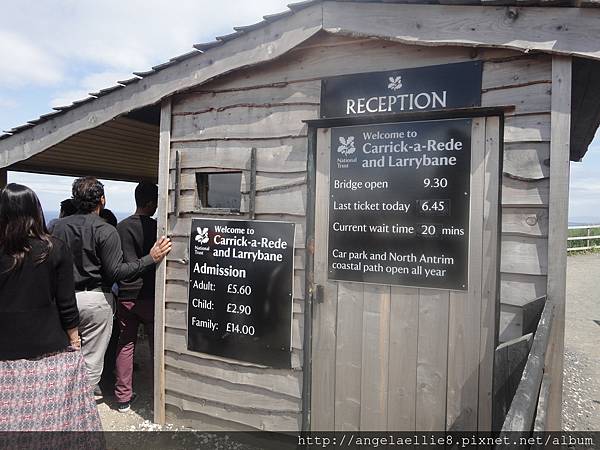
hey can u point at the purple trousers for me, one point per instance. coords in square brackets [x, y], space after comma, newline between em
[130, 313]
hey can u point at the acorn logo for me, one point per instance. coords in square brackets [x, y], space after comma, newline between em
[395, 83]
[202, 235]
[346, 146]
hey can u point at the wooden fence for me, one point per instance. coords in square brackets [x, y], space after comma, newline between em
[592, 241]
[527, 411]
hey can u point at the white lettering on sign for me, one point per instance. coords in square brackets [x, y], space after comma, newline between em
[394, 103]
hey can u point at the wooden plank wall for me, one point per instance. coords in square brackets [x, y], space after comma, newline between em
[216, 124]
[214, 130]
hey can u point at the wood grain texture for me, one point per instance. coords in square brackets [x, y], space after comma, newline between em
[522, 71]
[287, 200]
[402, 371]
[546, 29]
[521, 193]
[432, 360]
[325, 313]
[529, 99]
[534, 128]
[272, 154]
[489, 274]
[557, 230]
[306, 92]
[176, 341]
[348, 357]
[509, 362]
[527, 160]
[273, 380]
[216, 416]
[375, 358]
[265, 181]
[465, 307]
[161, 270]
[525, 221]
[510, 325]
[235, 395]
[517, 289]
[525, 255]
[331, 55]
[244, 123]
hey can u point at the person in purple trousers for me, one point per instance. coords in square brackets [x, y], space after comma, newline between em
[136, 295]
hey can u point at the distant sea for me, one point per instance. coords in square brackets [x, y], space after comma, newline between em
[50, 215]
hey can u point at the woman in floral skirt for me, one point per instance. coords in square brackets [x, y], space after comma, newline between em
[43, 385]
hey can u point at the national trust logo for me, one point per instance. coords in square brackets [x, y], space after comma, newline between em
[346, 146]
[202, 236]
[394, 83]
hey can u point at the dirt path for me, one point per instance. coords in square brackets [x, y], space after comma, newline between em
[141, 414]
[581, 389]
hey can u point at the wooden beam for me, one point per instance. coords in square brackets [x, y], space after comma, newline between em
[161, 270]
[561, 31]
[558, 227]
[521, 415]
[258, 46]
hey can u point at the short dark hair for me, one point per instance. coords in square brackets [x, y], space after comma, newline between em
[67, 208]
[145, 192]
[109, 216]
[87, 192]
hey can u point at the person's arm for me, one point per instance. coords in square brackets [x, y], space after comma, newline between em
[111, 257]
[64, 294]
[74, 339]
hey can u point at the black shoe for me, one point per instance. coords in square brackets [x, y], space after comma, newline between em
[126, 406]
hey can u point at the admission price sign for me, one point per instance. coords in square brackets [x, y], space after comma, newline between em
[399, 203]
[240, 292]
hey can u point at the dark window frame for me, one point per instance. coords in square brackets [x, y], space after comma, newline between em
[203, 187]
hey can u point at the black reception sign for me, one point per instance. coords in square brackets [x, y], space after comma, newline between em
[399, 203]
[240, 293]
[408, 90]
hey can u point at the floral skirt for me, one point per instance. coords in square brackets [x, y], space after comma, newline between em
[49, 393]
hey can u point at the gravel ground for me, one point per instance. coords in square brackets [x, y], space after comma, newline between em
[581, 386]
[140, 416]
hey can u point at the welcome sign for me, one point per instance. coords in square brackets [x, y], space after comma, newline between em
[399, 203]
[408, 90]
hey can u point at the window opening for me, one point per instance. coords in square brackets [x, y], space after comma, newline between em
[219, 190]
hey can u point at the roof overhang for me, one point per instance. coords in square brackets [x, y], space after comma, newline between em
[554, 30]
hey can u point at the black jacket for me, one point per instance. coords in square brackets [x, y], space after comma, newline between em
[37, 302]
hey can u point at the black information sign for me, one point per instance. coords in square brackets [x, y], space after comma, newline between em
[240, 294]
[419, 89]
[399, 203]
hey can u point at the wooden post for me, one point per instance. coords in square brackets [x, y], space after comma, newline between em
[164, 148]
[558, 228]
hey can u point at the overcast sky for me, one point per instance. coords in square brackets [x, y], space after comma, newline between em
[55, 51]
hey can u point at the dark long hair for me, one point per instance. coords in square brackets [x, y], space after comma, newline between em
[21, 219]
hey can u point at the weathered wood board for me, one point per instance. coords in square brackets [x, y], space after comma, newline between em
[416, 373]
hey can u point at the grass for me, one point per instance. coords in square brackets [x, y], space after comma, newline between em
[584, 242]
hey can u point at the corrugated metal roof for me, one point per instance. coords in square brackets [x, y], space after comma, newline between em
[129, 150]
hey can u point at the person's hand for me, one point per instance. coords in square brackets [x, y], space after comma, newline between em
[160, 249]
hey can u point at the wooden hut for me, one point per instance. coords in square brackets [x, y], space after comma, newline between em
[260, 105]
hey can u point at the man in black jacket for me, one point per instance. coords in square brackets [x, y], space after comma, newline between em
[136, 294]
[97, 265]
